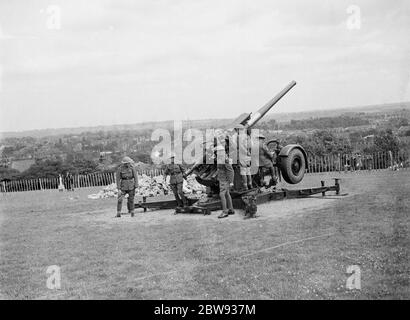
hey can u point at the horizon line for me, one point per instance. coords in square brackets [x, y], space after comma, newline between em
[205, 119]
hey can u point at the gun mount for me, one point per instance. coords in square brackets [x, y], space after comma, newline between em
[290, 161]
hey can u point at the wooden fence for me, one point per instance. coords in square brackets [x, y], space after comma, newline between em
[316, 164]
[79, 181]
[357, 162]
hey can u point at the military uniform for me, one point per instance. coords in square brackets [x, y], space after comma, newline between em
[127, 181]
[242, 147]
[266, 160]
[176, 173]
[225, 176]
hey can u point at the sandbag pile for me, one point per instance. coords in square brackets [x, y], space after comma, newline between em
[151, 187]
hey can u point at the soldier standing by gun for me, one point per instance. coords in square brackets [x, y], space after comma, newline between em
[241, 144]
[225, 175]
[266, 159]
[127, 181]
[177, 176]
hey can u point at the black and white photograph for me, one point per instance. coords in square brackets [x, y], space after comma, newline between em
[219, 152]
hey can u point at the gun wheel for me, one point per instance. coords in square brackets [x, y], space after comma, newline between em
[293, 166]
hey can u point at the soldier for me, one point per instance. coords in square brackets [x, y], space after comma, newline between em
[225, 175]
[177, 176]
[69, 181]
[266, 159]
[242, 147]
[127, 181]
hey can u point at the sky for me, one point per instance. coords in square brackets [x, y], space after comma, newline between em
[98, 62]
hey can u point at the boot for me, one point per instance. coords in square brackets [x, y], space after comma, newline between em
[224, 214]
[231, 211]
[118, 215]
[249, 180]
[132, 214]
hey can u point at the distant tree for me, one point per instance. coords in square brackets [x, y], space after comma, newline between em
[82, 166]
[46, 169]
[385, 141]
[326, 123]
[396, 123]
[8, 173]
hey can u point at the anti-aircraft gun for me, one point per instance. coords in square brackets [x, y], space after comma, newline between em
[291, 163]
[291, 159]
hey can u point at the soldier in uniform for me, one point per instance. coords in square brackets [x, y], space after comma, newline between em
[225, 176]
[127, 181]
[177, 176]
[266, 159]
[241, 143]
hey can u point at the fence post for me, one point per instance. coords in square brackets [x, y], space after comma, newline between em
[376, 162]
[384, 160]
[321, 164]
[314, 164]
[328, 163]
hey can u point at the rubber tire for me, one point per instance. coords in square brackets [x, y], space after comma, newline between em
[286, 166]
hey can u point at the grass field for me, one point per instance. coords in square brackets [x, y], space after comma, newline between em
[295, 249]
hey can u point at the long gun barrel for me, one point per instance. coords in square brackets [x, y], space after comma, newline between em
[262, 111]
